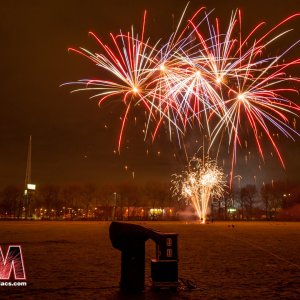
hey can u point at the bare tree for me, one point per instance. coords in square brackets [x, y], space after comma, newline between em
[88, 192]
[279, 195]
[129, 196]
[109, 197]
[71, 197]
[10, 200]
[247, 200]
[49, 197]
[157, 193]
[266, 196]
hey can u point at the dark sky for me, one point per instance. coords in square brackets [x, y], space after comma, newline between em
[70, 141]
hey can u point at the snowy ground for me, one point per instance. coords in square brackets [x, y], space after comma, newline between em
[75, 260]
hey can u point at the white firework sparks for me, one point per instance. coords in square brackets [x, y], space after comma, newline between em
[202, 181]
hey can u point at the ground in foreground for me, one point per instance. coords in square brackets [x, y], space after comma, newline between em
[75, 260]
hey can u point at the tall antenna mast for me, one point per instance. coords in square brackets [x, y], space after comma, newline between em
[28, 166]
[29, 186]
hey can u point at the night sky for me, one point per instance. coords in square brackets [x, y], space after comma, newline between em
[74, 140]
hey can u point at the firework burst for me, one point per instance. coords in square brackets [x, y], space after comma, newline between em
[131, 65]
[251, 85]
[202, 181]
[221, 81]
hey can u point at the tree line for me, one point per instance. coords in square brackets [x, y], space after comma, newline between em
[274, 200]
[84, 199]
[127, 200]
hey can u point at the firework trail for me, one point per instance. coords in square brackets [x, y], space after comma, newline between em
[202, 181]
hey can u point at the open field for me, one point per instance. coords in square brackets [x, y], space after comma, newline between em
[75, 260]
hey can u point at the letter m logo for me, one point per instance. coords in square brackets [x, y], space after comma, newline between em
[13, 261]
